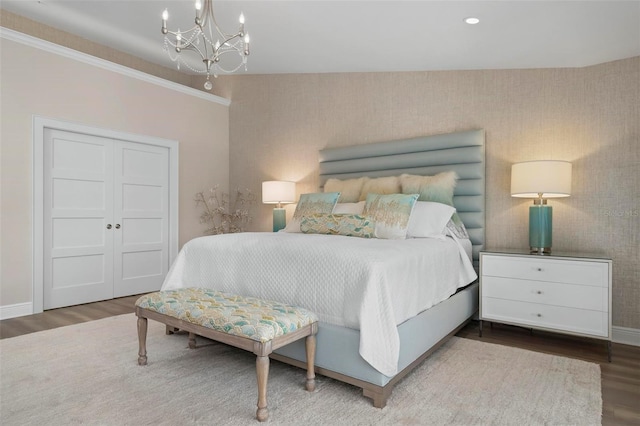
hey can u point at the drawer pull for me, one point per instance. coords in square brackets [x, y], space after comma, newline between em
[539, 269]
[538, 292]
[539, 315]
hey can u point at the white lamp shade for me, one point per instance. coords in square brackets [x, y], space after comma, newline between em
[278, 192]
[550, 178]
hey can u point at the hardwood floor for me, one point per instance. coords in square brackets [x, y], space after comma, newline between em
[620, 378]
[61, 317]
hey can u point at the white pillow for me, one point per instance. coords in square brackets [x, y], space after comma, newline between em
[349, 208]
[429, 220]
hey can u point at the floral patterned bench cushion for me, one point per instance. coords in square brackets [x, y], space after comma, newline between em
[249, 317]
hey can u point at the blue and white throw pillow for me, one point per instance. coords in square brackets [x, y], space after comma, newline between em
[350, 225]
[309, 204]
[390, 213]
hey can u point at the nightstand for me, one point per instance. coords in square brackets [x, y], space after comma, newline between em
[566, 293]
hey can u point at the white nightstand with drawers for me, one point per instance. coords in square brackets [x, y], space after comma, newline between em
[565, 293]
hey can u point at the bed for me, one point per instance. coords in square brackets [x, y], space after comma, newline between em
[373, 340]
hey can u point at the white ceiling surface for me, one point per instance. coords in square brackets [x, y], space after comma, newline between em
[368, 36]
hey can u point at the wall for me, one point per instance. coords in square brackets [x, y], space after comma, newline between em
[589, 116]
[36, 82]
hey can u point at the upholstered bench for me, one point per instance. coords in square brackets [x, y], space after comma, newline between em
[248, 323]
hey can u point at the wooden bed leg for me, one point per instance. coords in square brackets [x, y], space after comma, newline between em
[142, 341]
[262, 370]
[192, 341]
[310, 346]
[379, 396]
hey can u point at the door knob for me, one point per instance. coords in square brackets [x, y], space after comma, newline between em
[108, 226]
[117, 226]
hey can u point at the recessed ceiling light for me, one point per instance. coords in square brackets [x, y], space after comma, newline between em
[471, 21]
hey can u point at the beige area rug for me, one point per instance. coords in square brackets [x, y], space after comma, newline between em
[88, 374]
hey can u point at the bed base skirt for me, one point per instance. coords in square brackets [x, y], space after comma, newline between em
[337, 354]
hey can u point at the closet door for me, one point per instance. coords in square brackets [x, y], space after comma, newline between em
[106, 218]
[78, 206]
[141, 219]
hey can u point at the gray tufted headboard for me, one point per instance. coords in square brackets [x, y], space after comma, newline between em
[462, 152]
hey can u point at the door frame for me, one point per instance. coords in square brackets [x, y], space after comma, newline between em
[39, 124]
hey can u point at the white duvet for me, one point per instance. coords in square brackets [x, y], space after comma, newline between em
[367, 284]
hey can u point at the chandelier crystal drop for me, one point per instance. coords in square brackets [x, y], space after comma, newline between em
[207, 40]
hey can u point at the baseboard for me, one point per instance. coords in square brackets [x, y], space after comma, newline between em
[17, 310]
[626, 336]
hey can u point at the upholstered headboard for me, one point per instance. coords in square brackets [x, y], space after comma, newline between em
[462, 152]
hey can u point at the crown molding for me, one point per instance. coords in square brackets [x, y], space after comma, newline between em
[8, 34]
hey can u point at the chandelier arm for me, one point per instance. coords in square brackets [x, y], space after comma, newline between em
[190, 45]
[231, 37]
[228, 51]
[186, 64]
[226, 41]
[184, 33]
[194, 48]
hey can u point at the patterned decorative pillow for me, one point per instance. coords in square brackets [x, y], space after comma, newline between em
[383, 185]
[350, 225]
[349, 189]
[457, 229]
[319, 202]
[390, 213]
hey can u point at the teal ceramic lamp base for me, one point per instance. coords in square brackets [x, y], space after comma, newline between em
[540, 225]
[279, 219]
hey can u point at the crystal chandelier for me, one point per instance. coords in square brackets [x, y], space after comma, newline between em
[208, 40]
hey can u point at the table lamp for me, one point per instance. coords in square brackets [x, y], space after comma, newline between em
[278, 192]
[540, 180]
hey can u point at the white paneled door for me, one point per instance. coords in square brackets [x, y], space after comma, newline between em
[105, 218]
[140, 206]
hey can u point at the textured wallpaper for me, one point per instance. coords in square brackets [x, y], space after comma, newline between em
[588, 116]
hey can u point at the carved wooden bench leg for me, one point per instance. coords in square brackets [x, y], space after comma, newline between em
[192, 341]
[310, 346]
[262, 370]
[142, 341]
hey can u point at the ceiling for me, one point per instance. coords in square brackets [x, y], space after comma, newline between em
[367, 36]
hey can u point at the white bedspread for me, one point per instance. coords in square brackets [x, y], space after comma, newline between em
[367, 284]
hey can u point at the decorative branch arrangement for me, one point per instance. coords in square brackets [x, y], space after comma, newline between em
[221, 215]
